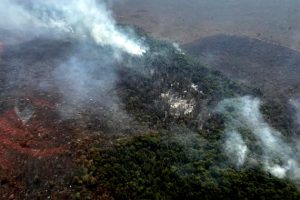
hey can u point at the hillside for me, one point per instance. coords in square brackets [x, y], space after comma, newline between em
[150, 130]
[272, 68]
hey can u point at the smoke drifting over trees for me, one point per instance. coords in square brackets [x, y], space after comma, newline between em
[80, 19]
[93, 33]
[140, 117]
[276, 155]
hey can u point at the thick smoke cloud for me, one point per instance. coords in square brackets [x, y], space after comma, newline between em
[276, 155]
[236, 148]
[85, 72]
[75, 18]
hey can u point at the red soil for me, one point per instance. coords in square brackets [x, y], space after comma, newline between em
[35, 138]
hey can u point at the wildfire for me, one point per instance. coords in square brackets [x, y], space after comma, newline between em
[19, 138]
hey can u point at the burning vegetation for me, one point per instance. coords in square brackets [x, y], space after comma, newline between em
[100, 112]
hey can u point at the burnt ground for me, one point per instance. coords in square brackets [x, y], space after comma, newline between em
[41, 150]
[38, 148]
[45, 155]
[272, 68]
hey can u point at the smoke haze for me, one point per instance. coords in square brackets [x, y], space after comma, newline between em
[187, 21]
[296, 105]
[85, 72]
[80, 19]
[276, 155]
[236, 148]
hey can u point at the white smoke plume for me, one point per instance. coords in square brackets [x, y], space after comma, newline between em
[296, 105]
[236, 148]
[278, 157]
[82, 75]
[74, 18]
